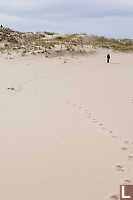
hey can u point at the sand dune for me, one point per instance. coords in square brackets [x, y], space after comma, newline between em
[66, 127]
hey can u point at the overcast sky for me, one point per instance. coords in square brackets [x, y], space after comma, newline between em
[112, 18]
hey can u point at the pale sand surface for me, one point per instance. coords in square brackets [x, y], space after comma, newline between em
[66, 127]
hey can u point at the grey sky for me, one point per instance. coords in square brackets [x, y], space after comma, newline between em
[113, 18]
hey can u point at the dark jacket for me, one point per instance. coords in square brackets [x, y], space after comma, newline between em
[108, 56]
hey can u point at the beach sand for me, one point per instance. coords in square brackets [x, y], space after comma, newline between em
[66, 127]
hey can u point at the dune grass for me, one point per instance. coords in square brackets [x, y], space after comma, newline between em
[51, 43]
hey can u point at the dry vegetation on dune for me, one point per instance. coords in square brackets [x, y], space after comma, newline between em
[52, 44]
[124, 45]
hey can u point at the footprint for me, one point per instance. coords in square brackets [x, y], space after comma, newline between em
[15, 89]
[110, 132]
[131, 100]
[114, 197]
[101, 124]
[124, 148]
[11, 89]
[127, 181]
[120, 168]
[130, 157]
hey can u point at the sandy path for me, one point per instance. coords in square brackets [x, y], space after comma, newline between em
[66, 129]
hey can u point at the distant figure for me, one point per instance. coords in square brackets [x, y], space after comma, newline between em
[1, 26]
[108, 58]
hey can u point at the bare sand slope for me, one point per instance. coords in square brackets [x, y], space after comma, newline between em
[66, 128]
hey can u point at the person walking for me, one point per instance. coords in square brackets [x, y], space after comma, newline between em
[108, 58]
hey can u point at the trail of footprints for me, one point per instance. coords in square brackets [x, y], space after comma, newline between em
[131, 100]
[92, 119]
[125, 144]
[16, 88]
